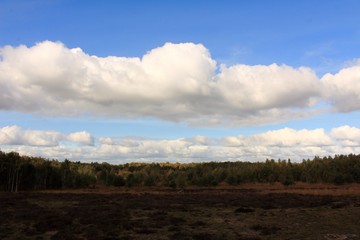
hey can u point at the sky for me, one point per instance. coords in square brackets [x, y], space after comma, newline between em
[179, 81]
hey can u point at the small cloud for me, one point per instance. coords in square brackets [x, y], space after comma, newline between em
[342, 89]
[346, 135]
[281, 143]
[81, 137]
[106, 140]
[14, 135]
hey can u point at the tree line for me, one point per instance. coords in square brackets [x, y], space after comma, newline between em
[19, 173]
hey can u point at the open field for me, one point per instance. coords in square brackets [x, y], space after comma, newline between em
[253, 211]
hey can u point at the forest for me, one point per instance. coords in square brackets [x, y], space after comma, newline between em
[21, 173]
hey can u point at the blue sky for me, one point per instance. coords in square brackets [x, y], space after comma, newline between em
[186, 80]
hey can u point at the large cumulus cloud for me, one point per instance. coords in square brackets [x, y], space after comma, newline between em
[49, 78]
[175, 82]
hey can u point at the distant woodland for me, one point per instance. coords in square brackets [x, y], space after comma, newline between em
[19, 173]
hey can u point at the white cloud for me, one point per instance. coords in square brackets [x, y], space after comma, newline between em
[105, 140]
[282, 143]
[346, 132]
[343, 88]
[285, 137]
[253, 88]
[15, 135]
[201, 140]
[81, 137]
[349, 136]
[51, 79]
[175, 82]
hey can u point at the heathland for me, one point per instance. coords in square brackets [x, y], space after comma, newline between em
[51, 199]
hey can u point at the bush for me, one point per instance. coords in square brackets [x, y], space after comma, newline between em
[119, 181]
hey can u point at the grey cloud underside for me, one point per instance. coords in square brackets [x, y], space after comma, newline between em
[175, 82]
